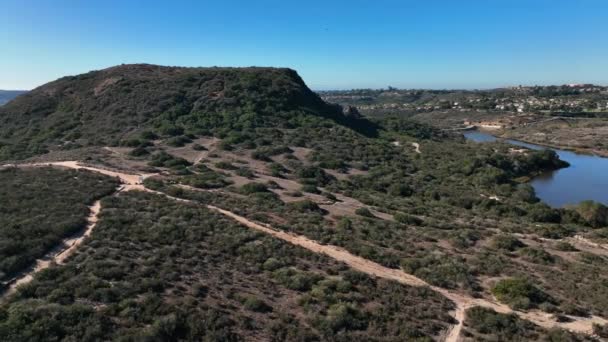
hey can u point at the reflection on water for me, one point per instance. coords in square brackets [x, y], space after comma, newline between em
[545, 177]
[586, 178]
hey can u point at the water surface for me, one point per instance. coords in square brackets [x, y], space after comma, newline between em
[586, 178]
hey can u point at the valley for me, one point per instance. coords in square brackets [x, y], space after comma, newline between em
[582, 180]
[570, 117]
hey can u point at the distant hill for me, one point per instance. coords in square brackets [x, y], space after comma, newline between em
[7, 95]
[106, 106]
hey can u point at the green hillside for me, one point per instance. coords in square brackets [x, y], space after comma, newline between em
[264, 149]
[104, 107]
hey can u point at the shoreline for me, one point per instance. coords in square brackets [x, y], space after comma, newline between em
[499, 134]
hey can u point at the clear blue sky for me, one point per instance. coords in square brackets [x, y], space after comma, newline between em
[332, 44]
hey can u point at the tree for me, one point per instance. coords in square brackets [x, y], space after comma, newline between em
[595, 214]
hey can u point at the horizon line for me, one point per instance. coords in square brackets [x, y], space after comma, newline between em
[406, 88]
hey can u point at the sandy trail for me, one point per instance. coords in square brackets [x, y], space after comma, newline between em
[59, 254]
[577, 239]
[462, 301]
[416, 147]
[125, 178]
[454, 333]
[579, 242]
[68, 246]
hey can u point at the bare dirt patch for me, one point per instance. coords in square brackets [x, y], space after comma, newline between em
[301, 153]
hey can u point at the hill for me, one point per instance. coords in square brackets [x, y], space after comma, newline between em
[107, 106]
[7, 95]
[247, 204]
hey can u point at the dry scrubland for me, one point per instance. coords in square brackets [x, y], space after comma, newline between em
[258, 143]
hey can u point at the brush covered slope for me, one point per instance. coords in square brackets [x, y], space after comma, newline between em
[158, 270]
[103, 107]
[259, 143]
[38, 208]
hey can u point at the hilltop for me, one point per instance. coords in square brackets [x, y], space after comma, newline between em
[103, 107]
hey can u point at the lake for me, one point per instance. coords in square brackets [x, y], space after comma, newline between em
[586, 178]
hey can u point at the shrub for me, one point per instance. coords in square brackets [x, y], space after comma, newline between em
[519, 293]
[272, 264]
[342, 316]
[595, 214]
[537, 256]
[273, 185]
[400, 190]
[489, 322]
[178, 141]
[565, 247]
[600, 330]
[330, 196]
[198, 147]
[205, 179]
[295, 279]
[306, 206]
[407, 219]
[507, 242]
[245, 172]
[253, 187]
[172, 130]
[276, 169]
[345, 224]
[259, 155]
[225, 165]
[164, 159]
[148, 135]
[132, 142]
[525, 193]
[363, 211]
[314, 175]
[255, 304]
[439, 269]
[310, 189]
[542, 213]
[139, 151]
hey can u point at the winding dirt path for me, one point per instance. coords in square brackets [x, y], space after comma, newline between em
[462, 301]
[579, 242]
[126, 178]
[416, 147]
[577, 239]
[68, 246]
[59, 254]
[454, 333]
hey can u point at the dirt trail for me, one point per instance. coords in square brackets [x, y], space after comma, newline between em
[128, 179]
[59, 254]
[68, 246]
[582, 240]
[579, 242]
[462, 301]
[454, 333]
[416, 147]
